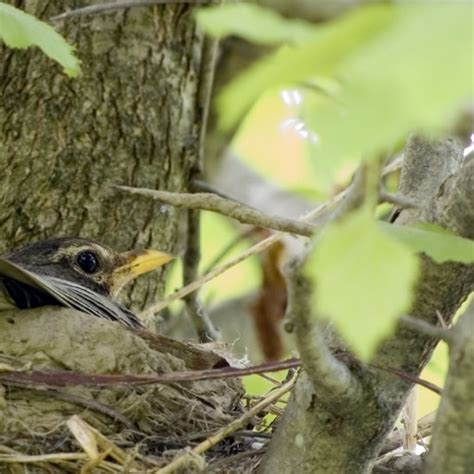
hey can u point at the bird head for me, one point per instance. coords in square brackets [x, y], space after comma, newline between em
[87, 263]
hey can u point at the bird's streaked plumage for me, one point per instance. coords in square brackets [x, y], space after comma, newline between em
[75, 273]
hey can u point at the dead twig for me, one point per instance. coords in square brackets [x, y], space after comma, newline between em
[67, 378]
[227, 207]
[258, 247]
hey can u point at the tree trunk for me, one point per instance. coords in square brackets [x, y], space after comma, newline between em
[134, 116]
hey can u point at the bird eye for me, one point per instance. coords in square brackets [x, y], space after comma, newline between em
[87, 261]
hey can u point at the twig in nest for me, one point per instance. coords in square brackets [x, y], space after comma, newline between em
[233, 459]
[56, 457]
[198, 314]
[121, 5]
[77, 400]
[67, 378]
[229, 429]
[227, 207]
[91, 440]
[427, 329]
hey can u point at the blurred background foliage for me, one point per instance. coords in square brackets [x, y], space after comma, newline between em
[334, 94]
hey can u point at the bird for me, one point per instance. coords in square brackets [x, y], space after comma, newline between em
[75, 273]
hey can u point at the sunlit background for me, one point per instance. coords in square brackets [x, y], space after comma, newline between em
[274, 142]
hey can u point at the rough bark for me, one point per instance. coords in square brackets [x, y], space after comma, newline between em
[451, 449]
[320, 433]
[134, 116]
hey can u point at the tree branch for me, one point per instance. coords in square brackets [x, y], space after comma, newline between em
[319, 212]
[435, 175]
[427, 329]
[330, 376]
[398, 200]
[227, 207]
[452, 444]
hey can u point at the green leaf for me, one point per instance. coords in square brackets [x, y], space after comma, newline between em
[364, 280]
[320, 55]
[412, 76]
[252, 22]
[20, 30]
[440, 246]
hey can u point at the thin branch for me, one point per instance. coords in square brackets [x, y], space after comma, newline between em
[204, 327]
[258, 247]
[427, 329]
[398, 200]
[410, 378]
[394, 165]
[67, 378]
[122, 5]
[185, 290]
[255, 249]
[227, 207]
[229, 429]
[441, 319]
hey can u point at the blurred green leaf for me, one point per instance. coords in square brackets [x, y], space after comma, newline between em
[252, 22]
[440, 246]
[320, 55]
[411, 76]
[364, 280]
[21, 30]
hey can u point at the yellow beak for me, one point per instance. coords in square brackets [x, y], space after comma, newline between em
[136, 263]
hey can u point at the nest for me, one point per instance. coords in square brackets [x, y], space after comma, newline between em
[112, 428]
